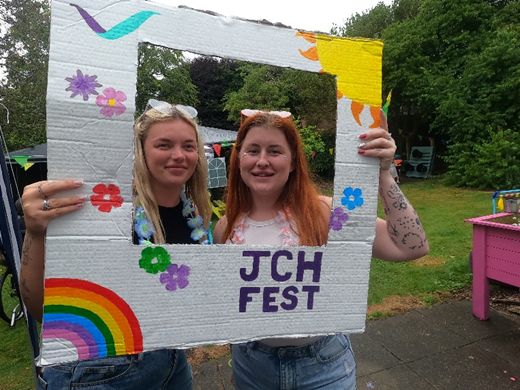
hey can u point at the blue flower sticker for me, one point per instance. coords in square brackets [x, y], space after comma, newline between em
[353, 198]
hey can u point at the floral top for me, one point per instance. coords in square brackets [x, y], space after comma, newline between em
[286, 232]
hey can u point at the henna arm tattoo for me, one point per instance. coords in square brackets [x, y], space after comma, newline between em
[392, 231]
[398, 200]
[30, 265]
[406, 229]
[26, 249]
[26, 259]
[413, 232]
[384, 202]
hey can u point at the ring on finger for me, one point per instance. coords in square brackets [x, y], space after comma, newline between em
[46, 205]
[41, 192]
[389, 136]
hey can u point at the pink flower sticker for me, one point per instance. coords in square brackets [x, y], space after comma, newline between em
[106, 197]
[110, 103]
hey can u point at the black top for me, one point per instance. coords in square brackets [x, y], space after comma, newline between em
[175, 226]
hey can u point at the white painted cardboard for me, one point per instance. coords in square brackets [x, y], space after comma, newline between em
[98, 301]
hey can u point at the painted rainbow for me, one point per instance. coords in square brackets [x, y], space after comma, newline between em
[97, 321]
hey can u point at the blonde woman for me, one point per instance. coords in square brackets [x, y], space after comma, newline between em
[169, 180]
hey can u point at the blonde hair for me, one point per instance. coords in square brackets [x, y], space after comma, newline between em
[195, 187]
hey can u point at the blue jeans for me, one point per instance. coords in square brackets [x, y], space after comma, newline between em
[161, 369]
[327, 364]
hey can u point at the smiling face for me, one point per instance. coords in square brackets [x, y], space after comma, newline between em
[170, 151]
[265, 161]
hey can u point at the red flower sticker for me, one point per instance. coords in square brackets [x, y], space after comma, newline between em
[106, 198]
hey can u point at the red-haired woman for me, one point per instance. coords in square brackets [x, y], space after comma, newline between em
[272, 201]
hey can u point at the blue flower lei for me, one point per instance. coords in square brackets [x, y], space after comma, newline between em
[145, 230]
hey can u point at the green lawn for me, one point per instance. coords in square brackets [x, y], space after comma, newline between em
[442, 211]
[15, 358]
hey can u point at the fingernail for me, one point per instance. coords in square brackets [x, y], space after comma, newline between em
[361, 151]
[79, 205]
[83, 198]
[363, 136]
[361, 145]
[78, 182]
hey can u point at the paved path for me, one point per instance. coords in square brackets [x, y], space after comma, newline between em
[443, 348]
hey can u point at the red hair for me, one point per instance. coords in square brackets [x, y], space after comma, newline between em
[299, 196]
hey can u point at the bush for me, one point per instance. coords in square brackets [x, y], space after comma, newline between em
[317, 141]
[493, 162]
[323, 163]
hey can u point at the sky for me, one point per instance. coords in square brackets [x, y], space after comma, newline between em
[305, 15]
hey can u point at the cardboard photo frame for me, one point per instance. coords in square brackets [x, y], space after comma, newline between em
[98, 301]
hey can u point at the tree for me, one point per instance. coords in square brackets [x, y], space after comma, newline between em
[24, 48]
[163, 74]
[454, 73]
[488, 141]
[369, 24]
[456, 65]
[262, 89]
[405, 9]
[312, 96]
[372, 22]
[214, 78]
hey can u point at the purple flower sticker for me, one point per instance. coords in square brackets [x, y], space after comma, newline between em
[175, 276]
[353, 198]
[111, 102]
[82, 85]
[337, 219]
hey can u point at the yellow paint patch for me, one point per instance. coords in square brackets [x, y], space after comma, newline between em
[358, 65]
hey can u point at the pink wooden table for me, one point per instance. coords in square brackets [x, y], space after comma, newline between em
[496, 255]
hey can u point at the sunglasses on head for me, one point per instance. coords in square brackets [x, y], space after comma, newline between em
[281, 114]
[167, 108]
